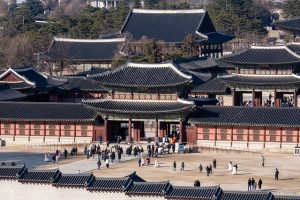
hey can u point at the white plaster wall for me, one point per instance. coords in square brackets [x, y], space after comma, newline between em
[21, 139]
[225, 144]
[206, 143]
[272, 145]
[239, 144]
[36, 139]
[83, 139]
[256, 145]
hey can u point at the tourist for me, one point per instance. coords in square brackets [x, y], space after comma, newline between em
[210, 168]
[234, 171]
[99, 163]
[100, 139]
[107, 163]
[215, 163]
[230, 166]
[156, 164]
[112, 156]
[249, 184]
[85, 150]
[174, 166]
[142, 162]
[276, 174]
[182, 166]
[197, 183]
[262, 161]
[200, 168]
[252, 183]
[207, 170]
[65, 153]
[260, 184]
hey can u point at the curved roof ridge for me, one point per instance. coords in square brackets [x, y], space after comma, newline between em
[139, 100]
[158, 11]
[268, 47]
[89, 40]
[18, 75]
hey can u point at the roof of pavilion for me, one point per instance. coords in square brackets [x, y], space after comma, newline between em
[212, 86]
[172, 26]
[43, 111]
[246, 116]
[6, 93]
[137, 76]
[145, 108]
[261, 81]
[289, 24]
[264, 55]
[84, 49]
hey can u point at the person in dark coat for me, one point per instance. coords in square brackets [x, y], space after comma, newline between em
[249, 184]
[214, 163]
[252, 183]
[200, 168]
[207, 170]
[99, 164]
[182, 166]
[174, 166]
[260, 184]
[140, 162]
[276, 174]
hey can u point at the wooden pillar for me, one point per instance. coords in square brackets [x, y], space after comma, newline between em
[15, 131]
[0, 127]
[75, 130]
[216, 135]
[295, 98]
[158, 96]
[129, 130]
[280, 137]
[233, 97]
[44, 137]
[156, 127]
[29, 135]
[105, 136]
[231, 137]
[180, 131]
[59, 134]
[112, 94]
[253, 97]
[131, 95]
[265, 130]
[298, 135]
[139, 131]
[248, 137]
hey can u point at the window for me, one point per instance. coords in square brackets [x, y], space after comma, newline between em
[22, 129]
[256, 135]
[37, 129]
[52, 130]
[223, 134]
[84, 129]
[289, 135]
[240, 134]
[67, 130]
[206, 134]
[7, 127]
[272, 135]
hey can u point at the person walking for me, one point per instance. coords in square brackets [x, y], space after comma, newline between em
[207, 170]
[140, 162]
[276, 174]
[252, 183]
[99, 163]
[214, 163]
[260, 184]
[262, 161]
[107, 163]
[200, 168]
[249, 184]
[182, 166]
[174, 166]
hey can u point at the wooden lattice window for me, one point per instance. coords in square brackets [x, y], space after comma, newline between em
[240, 134]
[37, 129]
[223, 134]
[272, 135]
[7, 127]
[67, 129]
[256, 133]
[84, 129]
[52, 130]
[289, 135]
[205, 133]
[22, 128]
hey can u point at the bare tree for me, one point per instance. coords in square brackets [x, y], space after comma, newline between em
[3, 8]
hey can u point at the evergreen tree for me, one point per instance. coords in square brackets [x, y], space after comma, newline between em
[137, 4]
[292, 8]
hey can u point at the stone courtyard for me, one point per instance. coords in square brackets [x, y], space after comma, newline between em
[249, 165]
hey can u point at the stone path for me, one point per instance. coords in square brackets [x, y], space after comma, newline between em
[87, 165]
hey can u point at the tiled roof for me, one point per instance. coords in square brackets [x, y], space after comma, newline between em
[289, 24]
[78, 83]
[43, 111]
[74, 180]
[212, 86]
[93, 70]
[9, 172]
[146, 107]
[246, 196]
[247, 116]
[110, 184]
[9, 94]
[148, 188]
[179, 192]
[134, 75]
[85, 50]
[256, 81]
[39, 176]
[276, 55]
[18, 85]
[42, 82]
[295, 47]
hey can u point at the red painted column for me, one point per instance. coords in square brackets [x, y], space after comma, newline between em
[180, 131]
[44, 138]
[105, 136]
[253, 97]
[156, 127]
[216, 135]
[130, 129]
[59, 135]
[231, 137]
[295, 98]
[248, 137]
[280, 137]
[0, 127]
[15, 131]
[29, 136]
[75, 130]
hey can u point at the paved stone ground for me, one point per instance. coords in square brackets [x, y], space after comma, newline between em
[249, 166]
